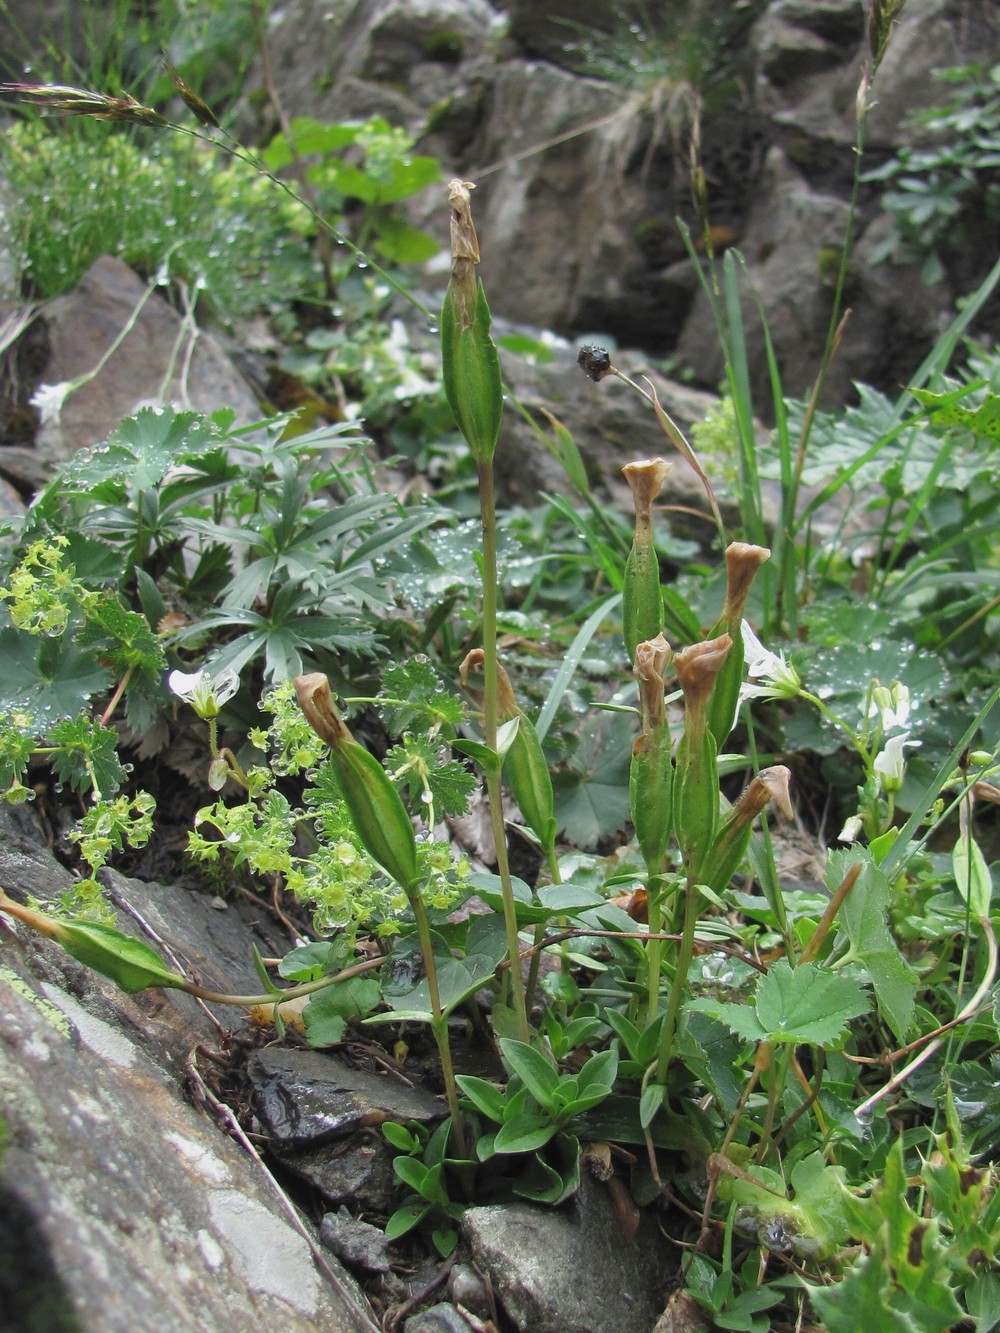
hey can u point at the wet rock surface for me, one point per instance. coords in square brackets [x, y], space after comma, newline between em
[124, 1207]
[305, 1098]
[571, 1270]
[144, 370]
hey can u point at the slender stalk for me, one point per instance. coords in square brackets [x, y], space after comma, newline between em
[654, 945]
[439, 1023]
[487, 502]
[684, 955]
[280, 996]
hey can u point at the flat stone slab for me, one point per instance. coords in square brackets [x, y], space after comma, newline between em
[571, 1270]
[304, 1098]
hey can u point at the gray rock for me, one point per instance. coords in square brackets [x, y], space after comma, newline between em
[467, 1287]
[83, 324]
[570, 1270]
[356, 1170]
[359, 1244]
[122, 1207]
[341, 59]
[304, 1098]
[580, 179]
[442, 1318]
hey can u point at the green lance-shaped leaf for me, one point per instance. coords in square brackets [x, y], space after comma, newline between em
[696, 780]
[733, 838]
[742, 563]
[470, 363]
[650, 781]
[376, 808]
[129, 962]
[642, 601]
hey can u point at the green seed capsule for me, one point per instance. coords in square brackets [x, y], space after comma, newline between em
[470, 369]
[642, 602]
[743, 560]
[650, 795]
[377, 812]
[696, 798]
[129, 962]
[376, 808]
[526, 772]
[724, 701]
[470, 364]
[733, 838]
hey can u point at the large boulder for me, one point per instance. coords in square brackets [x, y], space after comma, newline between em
[124, 1207]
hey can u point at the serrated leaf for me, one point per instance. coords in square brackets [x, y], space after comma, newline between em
[946, 412]
[123, 637]
[87, 755]
[863, 915]
[52, 679]
[807, 1003]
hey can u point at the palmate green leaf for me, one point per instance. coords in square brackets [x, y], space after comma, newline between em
[123, 637]
[948, 413]
[415, 696]
[142, 450]
[52, 678]
[87, 755]
[591, 805]
[807, 1003]
[421, 763]
[802, 1004]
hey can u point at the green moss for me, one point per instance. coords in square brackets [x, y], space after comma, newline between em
[445, 46]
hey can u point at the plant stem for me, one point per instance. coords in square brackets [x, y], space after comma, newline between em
[281, 996]
[654, 946]
[683, 966]
[487, 502]
[439, 1022]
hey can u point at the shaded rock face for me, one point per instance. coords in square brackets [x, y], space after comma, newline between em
[580, 179]
[145, 369]
[122, 1207]
[571, 1270]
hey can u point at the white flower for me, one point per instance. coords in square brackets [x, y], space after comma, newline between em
[204, 692]
[892, 705]
[851, 830]
[49, 399]
[890, 764]
[779, 678]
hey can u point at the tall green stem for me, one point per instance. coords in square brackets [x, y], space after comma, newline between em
[487, 502]
[439, 1023]
[684, 956]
